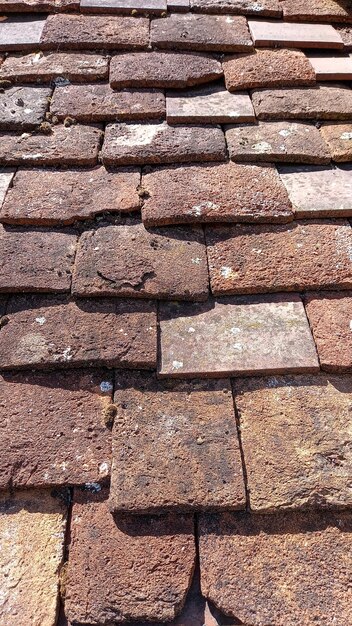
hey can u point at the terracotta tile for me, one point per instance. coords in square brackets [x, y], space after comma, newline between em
[175, 446]
[269, 8]
[128, 144]
[318, 191]
[345, 33]
[325, 102]
[294, 257]
[268, 68]
[338, 138]
[332, 67]
[39, 5]
[36, 260]
[330, 317]
[201, 32]
[317, 11]
[208, 104]
[294, 35]
[23, 108]
[32, 527]
[264, 556]
[86, 332]
[54, 428]
[20, 33]
[40, 67]
[54, 197]
[6, 176]
[123, 6]
[226, 192]
[162, 69]
[126, 568]
[236, 336]
[296, 440]
[278, 142]
[167, 263]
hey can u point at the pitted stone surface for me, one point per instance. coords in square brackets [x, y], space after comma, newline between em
[128, 144]
[294, 257]
[166, 263]
[39, 5]
[32, 533]
[330, 317]
[345, 33]
[294, 35]
[23, 108]
[75, 145]
[53, 428]
[190, 451]
[268, 8]
[236, 336]
[36, 260]
[325, 102]
[338, 138]
[283, 569]
[317, 10]
[53, 197]
[87, 332]
[332, 67]
[6, 177]
[208, 104]
[20, 33]
[318, 191]
[227, 192]
[296, 440]
[126, 568]
[280, 142]
[40, 67]
[201, 32]
[162, 69]
[268, 68]
[123, 6]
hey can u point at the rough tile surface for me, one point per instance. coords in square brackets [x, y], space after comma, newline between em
[6, 177]
[263, 8]
[234, 336]
[338, 138]
[345, 33]
[123, 6]
[325, 102]
[283, 569]
[93, 332]
[294, 35]
[54, 429]
[126, 568]
[296, 440]
[317, 11]
[208, 104]
[40, 67]
[39, 5]
[227, 192]
[166, 263]
[23, 108]
[332, 67]
[20, 33]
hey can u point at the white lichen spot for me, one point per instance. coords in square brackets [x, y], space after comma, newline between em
[346, 136]
[106, 386]
[28, 111]
[38, 155]
[40, 320]
[206, 205]
[197, 260]
[36, 57]
[177, 365]
[257, 250]
[103, 469]
[229, 20]
[139, 134]
[235, 330]
[25, 136]
[66, 355]
[191, 329]
[238, 347]
[234, 113]
[351, 326]
[262, 147]
[227, 272]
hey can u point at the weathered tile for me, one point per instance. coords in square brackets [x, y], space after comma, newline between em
[317, 191]
[325, 102]
[296, 440]
[74, 32]
[162, 69]
[32, 532]
[128, 144]
[47, 197]
[125, 568]
[75, 145]
[20, 33]
[53, 331]
[338, 138]
[167, 263]
[36, 260]
[54, 428]
[201, 32]
[276, 67]
[6, 176]
[280, 569]
[332, 67]
[178, 5]
[39, 5]
[345, 33]
[294, 257]
[23, 108]
[268, 8]
[175, 446]
[317, 11]
[278, 142]
[123, 6]
[208, 104]
[226, 192]
[40, 67]
[294, 35]
[330, 317]
[236, 336]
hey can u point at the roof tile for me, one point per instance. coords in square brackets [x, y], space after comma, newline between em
[294, 35]
[263, 8]
[317, 11]
[332, 67]
[123, 6]
[23, 108]
[208, 104]
[325, 102]
[338, 138]
[39, 5]
[20, 33]
[40, 67]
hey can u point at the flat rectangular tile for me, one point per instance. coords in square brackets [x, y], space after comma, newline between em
[294, 35]
[20, 33]
[317, 11]
[338, 138]
[40, 67]
[123, 6]
[23, 108]
[332, 67]
[264, 8]
[210, 105]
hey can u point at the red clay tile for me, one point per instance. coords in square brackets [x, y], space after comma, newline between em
[345, 33]
[75, 145]
[175, 446]
[294, 257]
[48, 331]
[209, 105]
[201, 32]
[236, 336]
[128, 144]
[294, 35]
[125, 568]
[296, 440]
[268, 68]
[330, 317]
[317, 10]
[226, 192]
[280, 569]
[167, 263]
[325, 102]
[54, 197]
[162, 69]
[279, 142]
[23, 108]
[40, 67]
[268, 8]
[54, 428]
[123, 6]
[20, 33]
[38, 5]
[36, 260]
[332, 67]
[338, 138]
[6, 177]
